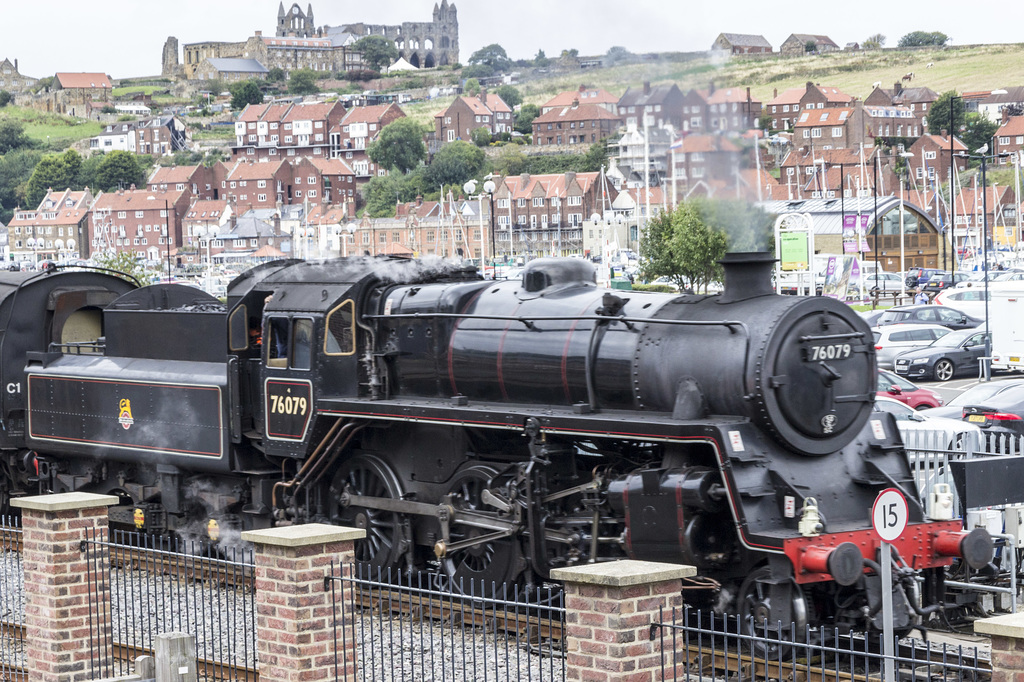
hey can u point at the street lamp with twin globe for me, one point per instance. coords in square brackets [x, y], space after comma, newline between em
[470, 189]
[343, 233]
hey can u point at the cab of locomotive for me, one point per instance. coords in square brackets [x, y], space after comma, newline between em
[299, 345]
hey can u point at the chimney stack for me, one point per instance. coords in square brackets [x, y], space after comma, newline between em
[647, 87]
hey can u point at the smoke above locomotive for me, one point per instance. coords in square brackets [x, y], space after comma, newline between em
[488, 430]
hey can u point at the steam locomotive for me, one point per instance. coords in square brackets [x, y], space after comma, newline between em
[487, 430]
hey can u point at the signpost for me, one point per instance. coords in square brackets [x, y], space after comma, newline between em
[889, 516]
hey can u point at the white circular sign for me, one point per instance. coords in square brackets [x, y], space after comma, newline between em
[889, 514]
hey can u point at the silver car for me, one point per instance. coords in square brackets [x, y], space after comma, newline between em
[893, 339]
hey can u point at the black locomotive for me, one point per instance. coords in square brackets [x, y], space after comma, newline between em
[491, 430]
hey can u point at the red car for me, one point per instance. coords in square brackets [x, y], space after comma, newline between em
[898, 388]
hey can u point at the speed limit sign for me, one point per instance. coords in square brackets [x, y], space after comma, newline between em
[889, 514]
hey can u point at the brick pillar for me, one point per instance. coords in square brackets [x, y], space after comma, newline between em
[609, 610]
[295, 616]
[58, 636]
[1007, 633]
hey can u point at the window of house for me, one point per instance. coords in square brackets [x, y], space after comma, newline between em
[837, 132]
[816, 132]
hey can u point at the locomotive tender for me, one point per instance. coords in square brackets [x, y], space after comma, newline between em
[492, 430]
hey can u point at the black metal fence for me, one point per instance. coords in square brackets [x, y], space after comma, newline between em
[12, 602]
[159, 585]
[698, 645]
[418, 627]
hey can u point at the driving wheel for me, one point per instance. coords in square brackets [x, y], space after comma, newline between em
[761, 614]
[484, 568]
[368, 475]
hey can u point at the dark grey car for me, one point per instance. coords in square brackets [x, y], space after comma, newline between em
[928, 314]
[955, 353]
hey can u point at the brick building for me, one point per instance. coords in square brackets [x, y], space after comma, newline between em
[466, 114]
[732, 110]
[12, 80]
[58, 228]
[695, 112]
[574, 124]
[799, 44]
[273, 131]
[918, 100]
[821, 129]
[785, 108]
[656, 106]
[201, 182]
[932, 155]
[1009, 138]
[355, 132]
[584, 95]
[144, 222]
[543, 215]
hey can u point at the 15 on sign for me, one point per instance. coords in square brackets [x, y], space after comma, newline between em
[889, 514]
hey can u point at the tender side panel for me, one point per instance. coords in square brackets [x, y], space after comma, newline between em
[91, 416]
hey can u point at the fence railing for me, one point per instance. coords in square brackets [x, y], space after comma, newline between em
[158, 585]
[415, 627]
[702, 645]
[12, 602]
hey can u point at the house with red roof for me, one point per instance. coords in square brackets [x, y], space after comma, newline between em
[785, 108]
[95, 84]
[932, 155]
[584, 95]
[466, 114]
[140, 221]
[544, 215]
[250, 184]
[732, 110]
[655, 106]
[359, 128]
[821, 129]
[1009, 138]
[58, 228]
[201, 182]
[574, 124]
[272, 131]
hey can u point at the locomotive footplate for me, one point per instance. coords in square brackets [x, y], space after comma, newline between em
[566, 420]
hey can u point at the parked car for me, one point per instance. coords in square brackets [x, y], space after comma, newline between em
[970, 301]
[928, 314]
[919, 276]
[898, 388]
[1000, 413]
[977, 279]
[911, 421]
[979, 393]
[944, 281]
[871, 316]
[955, 353]
[884, 283]
[894, 339]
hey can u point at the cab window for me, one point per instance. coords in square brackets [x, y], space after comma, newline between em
[291, 342]
[340, 333]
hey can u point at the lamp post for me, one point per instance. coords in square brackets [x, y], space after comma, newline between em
[343, 233]
[952, 199]
[903, 269]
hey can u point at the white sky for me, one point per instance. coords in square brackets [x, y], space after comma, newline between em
[125, 39]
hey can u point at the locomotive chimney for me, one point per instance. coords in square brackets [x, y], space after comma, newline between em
[747, 275]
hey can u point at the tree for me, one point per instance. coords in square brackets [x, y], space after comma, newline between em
[378, 52]
[618, 55]
[679, 245]
[384, 192]
[938, 115]
[399, 145]
[58, 172]
[15, 169]
[471, 87]
[524, 118]
[12, 136]
[454, 164]
[5, 98]
[978, 131]
[541, 60]
[492, 55]
[595, 159]
[121, 169]
[874, 42]
[246, 92]
[303, 82]
[922, 38]
[122, 261]
[810, 47]
[477, 71]
[481, 136]
[509, 95]
[275, 75]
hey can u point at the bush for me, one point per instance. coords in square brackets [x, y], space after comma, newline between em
[360, 75]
